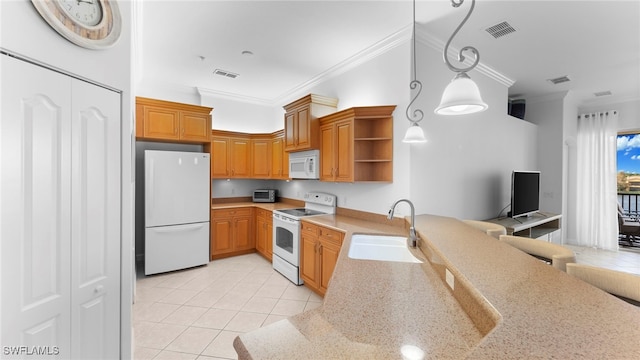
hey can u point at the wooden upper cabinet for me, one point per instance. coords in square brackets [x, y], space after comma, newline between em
[171, 121]
[336, 160]
[279, 157]
[357, 145]
[261, 158]
[230, 155]
[220, 147]
[301, 124]
[240, 158]
[195, 126]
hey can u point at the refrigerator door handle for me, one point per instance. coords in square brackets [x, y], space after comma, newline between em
[179, 228]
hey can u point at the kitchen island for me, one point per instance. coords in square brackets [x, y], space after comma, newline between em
[502, 303]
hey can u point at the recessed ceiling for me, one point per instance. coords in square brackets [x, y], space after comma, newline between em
[293, 42]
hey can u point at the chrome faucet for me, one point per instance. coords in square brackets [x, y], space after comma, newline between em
[413, 238]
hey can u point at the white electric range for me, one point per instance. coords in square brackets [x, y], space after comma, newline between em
[286, 232]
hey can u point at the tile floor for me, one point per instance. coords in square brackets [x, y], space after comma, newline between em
[197, 313]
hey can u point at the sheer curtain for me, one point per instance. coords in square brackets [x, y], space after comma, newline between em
[597, 222]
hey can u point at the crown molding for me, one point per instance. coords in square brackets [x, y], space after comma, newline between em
[377, 49]
[390, 42]
[232, 96]
[423, 37]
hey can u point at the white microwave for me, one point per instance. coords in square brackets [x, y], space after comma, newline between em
[304, 164]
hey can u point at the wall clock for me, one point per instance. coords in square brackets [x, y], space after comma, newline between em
[93, 24]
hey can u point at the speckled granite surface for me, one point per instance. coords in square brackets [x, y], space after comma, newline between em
[505, 305]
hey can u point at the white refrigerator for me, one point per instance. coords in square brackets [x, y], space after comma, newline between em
[177, 208]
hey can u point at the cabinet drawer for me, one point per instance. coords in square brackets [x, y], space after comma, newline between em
[329, 234]
[231, 212]
[309, 229]
[262, 213]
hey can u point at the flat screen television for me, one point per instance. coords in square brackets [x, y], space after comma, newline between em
[525, 193]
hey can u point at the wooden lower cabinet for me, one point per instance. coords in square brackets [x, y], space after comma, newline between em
[232, 232]
[319, 251]
[264, 233]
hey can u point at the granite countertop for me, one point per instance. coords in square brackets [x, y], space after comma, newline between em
[265, 206]
[504, 304]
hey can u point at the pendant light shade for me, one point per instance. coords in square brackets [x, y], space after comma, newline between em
[414, 135]
[461, 96]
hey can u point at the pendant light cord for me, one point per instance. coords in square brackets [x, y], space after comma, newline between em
[417, 115]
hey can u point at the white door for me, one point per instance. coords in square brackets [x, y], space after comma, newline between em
[59, 225]
[95, 231]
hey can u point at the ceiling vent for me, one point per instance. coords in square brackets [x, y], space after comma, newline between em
[603, 93]
[559, 80]
[226, 73]
[500, 30]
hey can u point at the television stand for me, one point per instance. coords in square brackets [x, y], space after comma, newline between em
[538, 225]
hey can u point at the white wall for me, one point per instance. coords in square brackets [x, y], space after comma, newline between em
[233, 115]
[464, 170]
[628, 113]
[547, 112]
[25, 33]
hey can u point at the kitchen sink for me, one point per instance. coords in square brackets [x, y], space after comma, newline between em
[381, 248]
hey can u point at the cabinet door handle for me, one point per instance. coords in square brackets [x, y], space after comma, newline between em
[320, 249]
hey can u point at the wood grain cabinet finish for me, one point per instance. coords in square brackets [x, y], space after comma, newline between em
[261, 157]
[319, 251]
[279, 157]
[232, 232]
[170, 121]
[264, 233]
[230, 155]
[356, 144]
[301, 121]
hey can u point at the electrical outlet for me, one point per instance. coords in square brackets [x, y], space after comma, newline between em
[449, 278]
[233, 191]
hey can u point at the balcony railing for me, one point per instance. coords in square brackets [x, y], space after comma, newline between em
[630, 202]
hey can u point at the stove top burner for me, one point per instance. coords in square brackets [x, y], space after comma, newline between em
[301, 212]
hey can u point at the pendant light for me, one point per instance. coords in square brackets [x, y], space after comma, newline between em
[462, 95]
[414, 133]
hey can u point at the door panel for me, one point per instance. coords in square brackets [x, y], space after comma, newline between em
[220, 157]
[161, 123]
[344, 153]
[303, 131]
[240, 158]
[95, 209]
[221, 236]
[195, 126]
[243, 234]
[60, 206]
[35, 207]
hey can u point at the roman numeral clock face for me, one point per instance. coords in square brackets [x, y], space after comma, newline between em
[93, 24]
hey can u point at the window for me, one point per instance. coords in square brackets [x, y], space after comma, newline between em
[628, 160]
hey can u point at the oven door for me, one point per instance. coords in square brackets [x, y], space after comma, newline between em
[286, 238]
